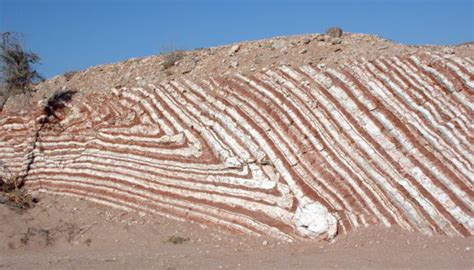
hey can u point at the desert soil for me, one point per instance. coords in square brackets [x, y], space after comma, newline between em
[65, 233]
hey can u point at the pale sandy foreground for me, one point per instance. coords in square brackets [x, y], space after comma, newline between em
[63, 233]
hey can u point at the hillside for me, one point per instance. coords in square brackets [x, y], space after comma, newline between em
[247, 57]
[292, 138]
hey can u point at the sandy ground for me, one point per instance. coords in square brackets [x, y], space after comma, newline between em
[65, 233]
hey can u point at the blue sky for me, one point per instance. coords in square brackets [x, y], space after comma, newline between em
[76, 34]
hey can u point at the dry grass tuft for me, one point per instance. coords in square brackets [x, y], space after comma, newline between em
[12, 195]
[170, 59]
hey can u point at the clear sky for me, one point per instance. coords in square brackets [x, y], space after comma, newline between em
[76, 34]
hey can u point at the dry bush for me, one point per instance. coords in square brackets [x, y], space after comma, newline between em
[70, 74]
[12, 192]
[14, 196]
[170, 58]
[334, 32]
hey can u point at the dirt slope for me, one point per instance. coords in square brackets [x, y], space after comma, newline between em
[84, 235]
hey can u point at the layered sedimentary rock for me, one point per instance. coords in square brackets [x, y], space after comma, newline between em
[292, 152]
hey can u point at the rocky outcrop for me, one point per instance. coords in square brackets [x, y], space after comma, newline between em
[292, 152]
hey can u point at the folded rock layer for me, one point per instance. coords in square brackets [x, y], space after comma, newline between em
[291, 152]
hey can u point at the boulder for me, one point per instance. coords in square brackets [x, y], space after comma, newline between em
[234, 49]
